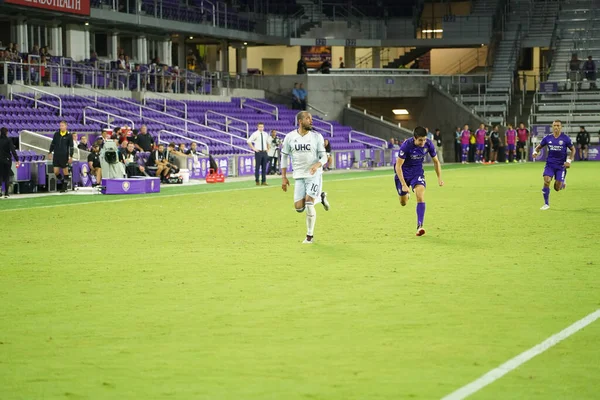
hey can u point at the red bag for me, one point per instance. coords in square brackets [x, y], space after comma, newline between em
[220, 178]
[211, 177]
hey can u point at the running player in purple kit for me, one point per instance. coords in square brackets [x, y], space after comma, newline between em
[409, 171]
[511, 136]
[480, 141]
[465, 138]
[557, 160]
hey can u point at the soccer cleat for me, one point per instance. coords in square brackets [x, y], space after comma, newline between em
[324, 201]
[545, 207]
[5, 196]
[420, 231]
[308, 240]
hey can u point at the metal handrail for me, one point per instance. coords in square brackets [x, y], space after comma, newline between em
[384, 145]
[185, 120]
[108, 123]
[184, 137]
[243, 101]
[59, 107]
[316, 109]
[165, 106]
[247, 131]
[317, 128]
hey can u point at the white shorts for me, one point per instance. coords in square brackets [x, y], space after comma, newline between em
[308, 187]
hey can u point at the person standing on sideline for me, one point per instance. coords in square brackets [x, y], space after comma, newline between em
[409, 171]
[7, 152]
[457, 147]
[301, 68]
[61, 154]
[583, 143]
[494, 143]
[522, 137]
[259, 143]
[274, 151]
[307, 149]
[510, 136]
[465, 143]
[480, 141]
[557, 161]
[437, 140]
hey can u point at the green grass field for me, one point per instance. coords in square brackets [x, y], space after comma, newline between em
[206, 292]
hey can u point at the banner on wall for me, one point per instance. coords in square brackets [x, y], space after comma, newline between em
[80, 7]
[314, 56]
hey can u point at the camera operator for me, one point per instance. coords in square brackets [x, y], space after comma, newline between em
[274, 152]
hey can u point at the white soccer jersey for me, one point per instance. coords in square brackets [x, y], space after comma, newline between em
[305, 151]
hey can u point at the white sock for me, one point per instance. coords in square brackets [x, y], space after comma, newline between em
[311, 218]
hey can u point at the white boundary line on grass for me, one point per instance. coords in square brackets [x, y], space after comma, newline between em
[521, 359]
[175, 195]
[197, 193]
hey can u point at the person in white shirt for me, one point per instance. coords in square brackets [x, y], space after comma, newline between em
[307, 150]
[259, 143]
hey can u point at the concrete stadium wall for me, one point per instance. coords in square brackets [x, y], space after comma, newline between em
[441, 111]
[373, 126]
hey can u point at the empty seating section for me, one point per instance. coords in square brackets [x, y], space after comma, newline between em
[574, 109]
[20, 114]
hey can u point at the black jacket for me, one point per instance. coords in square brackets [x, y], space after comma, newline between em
[62, 146]
[583, 138]
[7, 149]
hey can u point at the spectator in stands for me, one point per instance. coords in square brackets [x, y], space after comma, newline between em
[325, 68]
[181, 148]
[342, 63]
[274, 152]
[583, 143]
[327, 165]
[144, 141]
[259, 143]
[7, 153]
[415, 65]
[94, 164]
[131, 166]
[298, 97]
[589, 70]
[391, 143]
[44, 52]
[93, 56]
[83, 144]
[429, 134]
[574, 69]
[158, 159]
[44, 72]
[437, 141]
[190, 60]
[35, 50]
[301, 68]
[457, 147]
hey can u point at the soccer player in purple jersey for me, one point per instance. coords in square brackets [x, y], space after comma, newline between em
[409, 171]
[480, 141]
[465, 138]
[510, 150]
[557, 161]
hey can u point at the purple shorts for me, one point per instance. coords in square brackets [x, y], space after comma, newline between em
[411, 181]
[465, 148]
[510, 147]
[558, 172]
[480, 147]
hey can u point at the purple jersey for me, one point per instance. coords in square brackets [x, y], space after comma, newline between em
[557, 148]
[414, 155]
[465, 137]
[511, 135]
[480, 136]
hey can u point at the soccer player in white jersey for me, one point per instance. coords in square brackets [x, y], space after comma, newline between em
[307, 149]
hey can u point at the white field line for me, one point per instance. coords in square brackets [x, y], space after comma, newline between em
[34, 207]
[521, 359]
